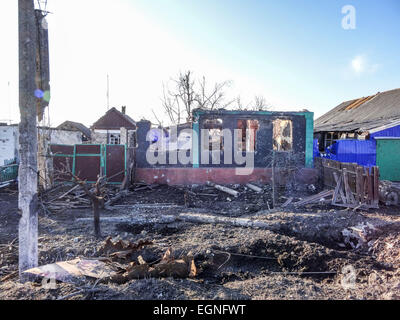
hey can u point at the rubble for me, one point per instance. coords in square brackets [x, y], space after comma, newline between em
[360, 235]
[159, 248]
[110, 268]
[389, 192]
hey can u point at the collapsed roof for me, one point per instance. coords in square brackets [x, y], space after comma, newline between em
[363, 114]
[75, 126]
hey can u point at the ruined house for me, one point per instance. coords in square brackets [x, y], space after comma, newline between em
[76, 126]
[9, 139]
[9, 147]
[107, 129]
[218, 138]
[364, 129]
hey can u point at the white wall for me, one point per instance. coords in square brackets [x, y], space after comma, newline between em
[8, 143]
[65, 137]
[9, 140]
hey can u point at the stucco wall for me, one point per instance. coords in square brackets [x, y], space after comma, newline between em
[8, 143]
[65, 137]
[9, 140]
[99, 137]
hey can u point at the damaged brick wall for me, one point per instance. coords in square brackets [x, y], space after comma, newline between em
[285, 137]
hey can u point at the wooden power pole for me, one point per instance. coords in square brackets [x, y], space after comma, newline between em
[27, 175]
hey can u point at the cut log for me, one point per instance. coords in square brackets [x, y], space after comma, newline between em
[254, 188]
[223, 189]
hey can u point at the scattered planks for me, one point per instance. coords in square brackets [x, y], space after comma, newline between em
[314, 198]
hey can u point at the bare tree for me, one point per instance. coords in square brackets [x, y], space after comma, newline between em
[188, 94]
[260, 103]
[171, 106]
[213, 99]
[160, 122]
[185, 93]
[239, 104]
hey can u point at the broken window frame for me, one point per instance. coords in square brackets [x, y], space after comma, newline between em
[214, 127]
[247, 143]
[276, 145]
[113, 138]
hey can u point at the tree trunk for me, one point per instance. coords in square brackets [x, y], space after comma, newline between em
[96, 214]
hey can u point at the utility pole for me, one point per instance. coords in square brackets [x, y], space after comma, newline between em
[27, 174]
[108, 92]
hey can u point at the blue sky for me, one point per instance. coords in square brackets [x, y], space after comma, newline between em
[295, 53]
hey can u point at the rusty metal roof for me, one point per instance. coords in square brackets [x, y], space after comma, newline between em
[362, 114]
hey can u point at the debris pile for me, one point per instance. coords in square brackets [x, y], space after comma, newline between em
[387, 249]
[63, 197]
[360, 236]
[118, 264]
[389, 192]
[316, 198]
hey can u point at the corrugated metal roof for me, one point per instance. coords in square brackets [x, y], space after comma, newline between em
[362, 114]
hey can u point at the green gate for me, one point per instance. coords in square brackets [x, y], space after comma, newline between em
[388, 157]
[87, 161]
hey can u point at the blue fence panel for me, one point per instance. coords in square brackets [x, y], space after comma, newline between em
[362, 152]
[316, 148]
[390, 132]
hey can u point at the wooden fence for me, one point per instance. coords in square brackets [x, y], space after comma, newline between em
[354, 184]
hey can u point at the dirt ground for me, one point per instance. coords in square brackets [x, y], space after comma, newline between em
[303, 255]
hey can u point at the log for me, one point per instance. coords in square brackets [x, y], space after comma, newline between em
[212, 219]
[253, 187]
[137, 219]
[223, 189]
[186, 217]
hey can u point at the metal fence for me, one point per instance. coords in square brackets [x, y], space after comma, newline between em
[9, 171]
[87, 161]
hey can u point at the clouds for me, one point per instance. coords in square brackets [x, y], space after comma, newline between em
[360, 64]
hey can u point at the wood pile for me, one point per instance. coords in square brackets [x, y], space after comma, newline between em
[316, 198]
[59, 199]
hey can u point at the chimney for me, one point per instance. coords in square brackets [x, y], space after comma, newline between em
[123, 109]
